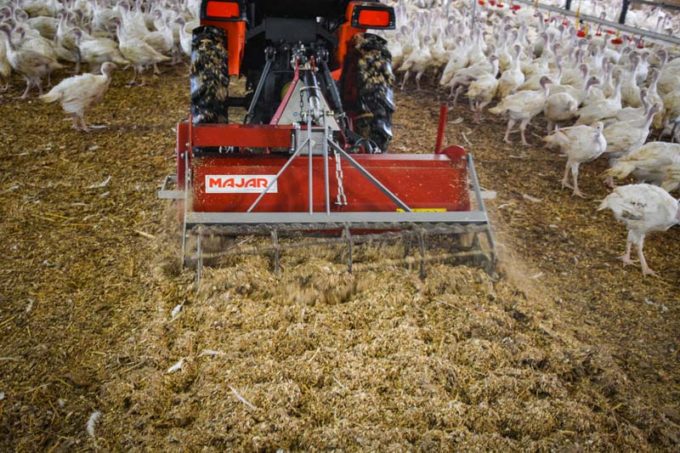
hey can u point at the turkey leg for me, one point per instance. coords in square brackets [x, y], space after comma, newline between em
[565, 180]
[418, 77]
[551, 127]
[83, 126]
[626, 256]
[403, 82]
[511, 124]
[459, 90]
[478, 113]
[522, 127]
[78, 61]
[629, 244]
[28, 87]
[643, 262]
[133, 82]
[574, 174]
[76, 121]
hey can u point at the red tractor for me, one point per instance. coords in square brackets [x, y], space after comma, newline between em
[308, 153]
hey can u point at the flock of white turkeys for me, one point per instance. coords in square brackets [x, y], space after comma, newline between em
[600, 95]
[38, 37]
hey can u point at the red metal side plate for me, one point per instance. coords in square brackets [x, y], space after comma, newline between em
[422, 181]
[242, 136]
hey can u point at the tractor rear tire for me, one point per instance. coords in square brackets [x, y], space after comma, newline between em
[367, 88]
[209, 75]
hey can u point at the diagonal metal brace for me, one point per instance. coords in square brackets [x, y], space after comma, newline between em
[370, 177]
[278, 175]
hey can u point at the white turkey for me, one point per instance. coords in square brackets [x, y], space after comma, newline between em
[582, 94]
[31, 65]
[464, 77]
[644, 208]
[66, 41]
[104, 18]
[669, 79]
[634, 113]
[46, 26]
[535, 71]
[417, 62]
[576, 76]
[162, 40]
[79, 93]
[643, 68]
[630, 91]
[41, 7]
[186, 29]
[481, 92]
[652, 97]
[522, 106]
[512, 78]
[601, 110]
[581, 144]
[394, 45]
[440, 56]
[5, 68]
[657, 163]
[559, 107]
[30, 40]
[96, 51]
[139, 53]
[458, 59]
[624, 137]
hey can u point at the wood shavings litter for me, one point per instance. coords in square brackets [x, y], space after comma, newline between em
[531, 199]
[145, 235]
[102, 184]
[176, 367]
[467, 141]
[662, 307]
[242, 399]
[458, 361]
[211, 353]
[92, 423]
[176, 311]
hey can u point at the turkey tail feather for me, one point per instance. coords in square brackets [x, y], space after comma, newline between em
[608, 202]
[620, 170]
[53, 96]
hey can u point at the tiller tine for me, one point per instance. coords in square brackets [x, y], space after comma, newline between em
[453, 244]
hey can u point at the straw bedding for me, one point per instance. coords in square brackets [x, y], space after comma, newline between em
[566, 350]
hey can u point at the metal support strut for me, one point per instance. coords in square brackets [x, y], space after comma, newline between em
[421, 248]
[480, 204]
[311, 112]
[270, 54]
[624, 11]
[350, 248]
[276, 251]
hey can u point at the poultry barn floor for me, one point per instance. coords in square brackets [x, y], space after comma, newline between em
[566, 349]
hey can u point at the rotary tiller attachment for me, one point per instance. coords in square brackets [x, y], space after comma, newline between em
[415, 245]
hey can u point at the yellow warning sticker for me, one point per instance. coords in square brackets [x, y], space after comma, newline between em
[424, 210]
